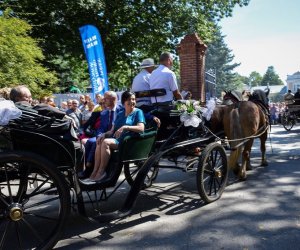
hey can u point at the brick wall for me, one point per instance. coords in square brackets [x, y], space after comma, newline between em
[191, 52]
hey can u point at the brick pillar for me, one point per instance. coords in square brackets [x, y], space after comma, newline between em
[191, 52]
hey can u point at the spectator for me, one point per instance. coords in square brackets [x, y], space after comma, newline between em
[274, 114]
[164, 77]
[100, 103]
[64, 106]
[50, 101]
[87, 98]
[86, 114]
[43, 99]
[4, 93]
[21, 94]
[35, 102]
[69, 103]
[75, 114]
[82, 103]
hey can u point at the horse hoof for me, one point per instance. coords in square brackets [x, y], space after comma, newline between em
[264, 164]
[242, 176]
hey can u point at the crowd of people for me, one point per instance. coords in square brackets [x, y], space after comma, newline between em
[102, 125]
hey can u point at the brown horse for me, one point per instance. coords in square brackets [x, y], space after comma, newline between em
[242, 122]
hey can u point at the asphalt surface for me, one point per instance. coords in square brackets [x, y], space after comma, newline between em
[262, 212]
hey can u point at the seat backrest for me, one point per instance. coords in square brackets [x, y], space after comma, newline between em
[150, 93]
[137, 147]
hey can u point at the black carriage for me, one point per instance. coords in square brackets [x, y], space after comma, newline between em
[39, 183]
[290, 116]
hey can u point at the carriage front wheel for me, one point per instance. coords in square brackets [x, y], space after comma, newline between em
[34, 202]
[212, 172]
[131, 171]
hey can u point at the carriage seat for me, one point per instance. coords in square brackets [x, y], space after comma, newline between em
[133, 148]
[137, 147]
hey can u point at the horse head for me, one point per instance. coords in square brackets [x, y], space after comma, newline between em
[260, 96]
[231, 97]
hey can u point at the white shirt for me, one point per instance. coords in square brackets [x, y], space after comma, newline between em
[163, 77]
[141, 83]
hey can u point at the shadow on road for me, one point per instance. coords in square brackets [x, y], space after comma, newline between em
[259, 213]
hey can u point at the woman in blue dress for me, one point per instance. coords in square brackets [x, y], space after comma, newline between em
[129, 120]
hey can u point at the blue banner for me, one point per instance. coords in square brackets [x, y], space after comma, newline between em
[93, 49]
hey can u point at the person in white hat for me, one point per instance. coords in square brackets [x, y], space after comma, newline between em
[141, 81]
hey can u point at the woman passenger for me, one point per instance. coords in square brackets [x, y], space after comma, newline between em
[131, 119]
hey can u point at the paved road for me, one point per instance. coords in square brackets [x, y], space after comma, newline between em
[260, 213]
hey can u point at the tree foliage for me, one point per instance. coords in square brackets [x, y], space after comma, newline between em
[219, 57]
[20, 57]
[72, 70]
[131, 29]
[271, 78]
[254, 79]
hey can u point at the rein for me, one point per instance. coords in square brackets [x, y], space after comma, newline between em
[241, 139]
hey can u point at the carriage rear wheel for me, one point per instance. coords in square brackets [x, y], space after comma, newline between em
[212, 172]
[131, 170]
[287, 121]
[34, 202]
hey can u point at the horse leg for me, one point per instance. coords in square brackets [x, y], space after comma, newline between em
[246, 155]
[263, 140]
[233, 161]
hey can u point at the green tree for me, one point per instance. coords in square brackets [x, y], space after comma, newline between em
[130, 29]
[20, 58]
[254, 79]
[271, 78]
[74, 70]
[219, 58]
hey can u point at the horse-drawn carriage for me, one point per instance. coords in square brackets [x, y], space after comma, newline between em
[39, 183]
[290, 116]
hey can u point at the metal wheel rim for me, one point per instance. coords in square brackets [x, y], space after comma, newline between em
[30, 207]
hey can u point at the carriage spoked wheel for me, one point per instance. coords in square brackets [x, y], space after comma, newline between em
[34, 202]
[131, 170]
[287, 121]
[212, 172]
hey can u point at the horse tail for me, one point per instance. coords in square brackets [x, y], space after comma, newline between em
[235, 128]
[233, 158]
[235, 133]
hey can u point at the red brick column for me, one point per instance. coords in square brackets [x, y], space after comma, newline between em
[191, 52]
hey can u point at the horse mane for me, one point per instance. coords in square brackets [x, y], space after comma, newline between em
[260, 97]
